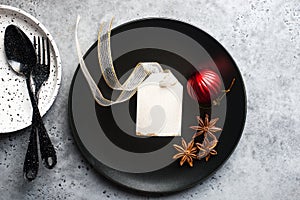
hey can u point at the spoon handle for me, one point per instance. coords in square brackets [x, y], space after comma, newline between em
[48, 153]
[31, 163]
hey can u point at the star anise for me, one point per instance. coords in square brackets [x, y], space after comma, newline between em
[206, 149]
[187, 152]
[205, 126]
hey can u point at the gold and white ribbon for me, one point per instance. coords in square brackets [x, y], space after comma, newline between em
[129, 87]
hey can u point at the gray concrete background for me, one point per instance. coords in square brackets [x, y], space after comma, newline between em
[264, 39]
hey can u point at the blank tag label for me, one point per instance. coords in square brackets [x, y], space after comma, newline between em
[159, 106]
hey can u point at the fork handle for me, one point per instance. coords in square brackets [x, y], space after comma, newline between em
[48, 153]
[47, 150]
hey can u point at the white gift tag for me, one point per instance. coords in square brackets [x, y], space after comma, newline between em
[159, 106]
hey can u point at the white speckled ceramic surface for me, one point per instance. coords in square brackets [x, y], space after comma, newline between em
[15, 106]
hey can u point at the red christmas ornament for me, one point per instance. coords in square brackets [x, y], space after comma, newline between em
[204, 86]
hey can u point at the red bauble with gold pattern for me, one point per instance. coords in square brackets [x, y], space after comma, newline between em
[204, 86]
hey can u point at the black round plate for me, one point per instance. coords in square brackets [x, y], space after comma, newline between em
[183, 49]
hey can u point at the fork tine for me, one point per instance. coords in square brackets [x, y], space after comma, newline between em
[43, 49]
[39, 50]
[34, 45]
[34, 42]
[48, 52]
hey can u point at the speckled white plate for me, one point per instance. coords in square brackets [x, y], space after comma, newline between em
[15, 106]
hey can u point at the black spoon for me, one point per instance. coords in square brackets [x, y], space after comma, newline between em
[22, 58]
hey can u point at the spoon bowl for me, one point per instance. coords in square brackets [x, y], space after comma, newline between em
[20, 52]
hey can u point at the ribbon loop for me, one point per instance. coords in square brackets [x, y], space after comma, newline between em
[129, 87]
